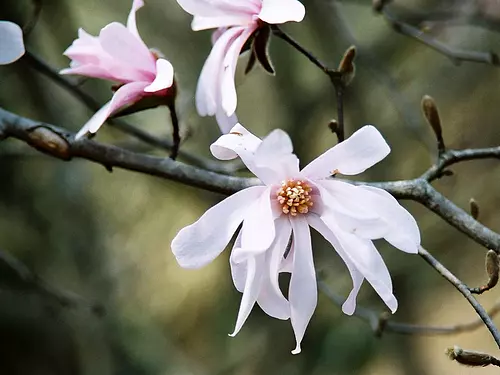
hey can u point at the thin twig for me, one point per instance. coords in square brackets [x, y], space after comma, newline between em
[455, 55]
[464, 289]
[373, 318]
[175, 131]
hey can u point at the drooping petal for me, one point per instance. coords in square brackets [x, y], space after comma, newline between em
[366, 259]
[352, 209]
[131, 20]
[164, 76]
[349, 305]
[359, 152]
[303, 292]
[203, 23]
[271, 299]
[208, 88]
[253, 282]
[404, 233]
[225, 122]
[281, 11]
[238, 269]
[11, 42]
[201, 242]
[227, 85]
[125, 95]
[124, 46]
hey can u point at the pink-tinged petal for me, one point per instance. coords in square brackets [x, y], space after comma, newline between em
[276, 153]
[238, 138]
[359, 152]
[93, 71]
[243, 143]
[238, 269]
[131, 20]
[208, 89]
[303, 292]
[253, 282]
[11, 42]
[120, 43]
[225, 122]
[281, 11]
[404, 233]
[125, 95]
[203, 23]
[201, 242]
[353, 209]
[257, 232]
[349, 305]
[227, 85]
[164, 76]
[271, 299]
[219, 8]
[366, 259]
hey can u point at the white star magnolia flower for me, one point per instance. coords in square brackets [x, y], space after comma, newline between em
[347, 216]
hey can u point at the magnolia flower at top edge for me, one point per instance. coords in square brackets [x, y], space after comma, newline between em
[290, 201]
[119, 54]
[236, 22]
[11, 42]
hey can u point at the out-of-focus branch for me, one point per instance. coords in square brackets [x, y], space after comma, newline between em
[380, 322]
[456, 55]
[160, 143]
[464, 289]
[16, 275]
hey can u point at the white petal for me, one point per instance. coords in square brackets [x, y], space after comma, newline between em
[367, 260]
[352, 209]
[225, 122]
[238, 269]
[271, 299]
[11, 42]
[257, 233]
[238, 138]
[209, 84]
[227, 85]
[303, 292]
[131, 20]
[219, 8]
[349, 305]
[251, 291]
[404, 233]
[359, 152]
[281, 11]
[201, 242]
[203, 23]
[164, 76]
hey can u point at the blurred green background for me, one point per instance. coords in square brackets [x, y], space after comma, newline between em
[106, 236]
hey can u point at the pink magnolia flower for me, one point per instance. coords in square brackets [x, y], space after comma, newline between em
[237, 21]
[11, 42]
[119, 54]
[292, 200]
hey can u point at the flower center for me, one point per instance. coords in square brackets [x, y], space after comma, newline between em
[294, 198]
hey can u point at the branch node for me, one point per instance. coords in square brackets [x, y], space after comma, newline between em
[383, 318]
[48, 141]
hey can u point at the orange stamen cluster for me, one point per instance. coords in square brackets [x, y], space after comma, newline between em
[294, 198]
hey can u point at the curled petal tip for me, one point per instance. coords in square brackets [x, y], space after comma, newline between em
[348, 310]
[297, 350]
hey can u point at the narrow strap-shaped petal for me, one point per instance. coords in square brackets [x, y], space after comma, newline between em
[404, 233]
[367, 260]
[303, 292]
[201, 242]
[125, 95]
[131, 20]
[238, 269]
[271, 299]
[352, 209]
[219, 8]
[253, 282]
[164, 76]
[225, 122]
[11, 42]
[124, 46]
[349, 305]
[281, 11]
[208, 88]
[363, 149]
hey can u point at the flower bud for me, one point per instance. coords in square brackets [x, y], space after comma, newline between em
[431, 114]
[471, 358]
[474, 208]
[346, 67]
